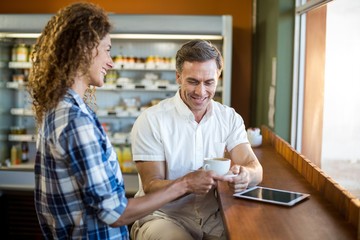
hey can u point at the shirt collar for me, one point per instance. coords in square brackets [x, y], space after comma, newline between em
[76, 99]
[184, 110]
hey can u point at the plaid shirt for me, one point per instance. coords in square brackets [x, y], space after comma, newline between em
[79, 188]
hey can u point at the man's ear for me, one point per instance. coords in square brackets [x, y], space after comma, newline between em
[178, 78]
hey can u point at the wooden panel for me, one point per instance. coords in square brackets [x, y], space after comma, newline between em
[314, 85]
[346, 203]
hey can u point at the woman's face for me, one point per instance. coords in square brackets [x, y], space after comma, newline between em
[102, 62]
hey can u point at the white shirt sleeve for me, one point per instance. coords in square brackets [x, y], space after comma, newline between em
[145, 139]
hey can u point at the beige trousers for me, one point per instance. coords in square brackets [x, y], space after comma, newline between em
[164, 229]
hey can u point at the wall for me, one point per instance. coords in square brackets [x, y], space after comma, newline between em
[241, 10]
[273, 61]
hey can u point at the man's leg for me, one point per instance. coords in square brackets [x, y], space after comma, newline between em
[159, 229]
[211, 237]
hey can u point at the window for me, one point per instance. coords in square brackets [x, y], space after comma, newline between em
[325, 119]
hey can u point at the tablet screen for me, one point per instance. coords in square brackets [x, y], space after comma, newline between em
[272, 195]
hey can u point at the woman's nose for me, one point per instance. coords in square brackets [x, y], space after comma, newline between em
[110, 64]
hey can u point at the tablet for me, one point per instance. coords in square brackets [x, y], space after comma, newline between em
[272, 195]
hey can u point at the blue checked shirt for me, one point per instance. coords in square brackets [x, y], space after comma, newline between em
[79, 188]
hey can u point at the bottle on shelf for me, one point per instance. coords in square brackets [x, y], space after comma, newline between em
[24, 152]
[13, 53]
[127, 164]
[118, 154]
[14, 155]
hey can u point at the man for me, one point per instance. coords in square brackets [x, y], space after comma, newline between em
[171, 139]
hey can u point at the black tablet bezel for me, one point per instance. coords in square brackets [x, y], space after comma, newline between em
[296, 196]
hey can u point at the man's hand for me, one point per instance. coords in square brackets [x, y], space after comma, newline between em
[201, 181]
[242, 180]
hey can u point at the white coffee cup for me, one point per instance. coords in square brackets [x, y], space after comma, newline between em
[219, 165]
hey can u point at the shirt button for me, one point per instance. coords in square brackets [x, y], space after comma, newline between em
[199, 221]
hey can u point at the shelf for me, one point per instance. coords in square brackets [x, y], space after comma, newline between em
[142, 88]
[21, 112]
[165, 36]
[19, 35]
[16, 85]
[139, 87]
[29, 166]
[114, 87]
[141, 67]
[116, 138]
[22, 137]
[119, 140]
[101, 113]
[21, 178]
[20, 65]
[117, 66]
[138, 36]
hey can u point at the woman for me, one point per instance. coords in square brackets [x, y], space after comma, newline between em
[79, 188]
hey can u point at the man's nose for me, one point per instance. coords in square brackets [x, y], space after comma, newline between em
[200, 89]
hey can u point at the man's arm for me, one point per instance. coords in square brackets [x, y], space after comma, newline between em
[247, 166]
[153, 173]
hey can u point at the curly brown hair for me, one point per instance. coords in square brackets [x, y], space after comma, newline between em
[64, 50]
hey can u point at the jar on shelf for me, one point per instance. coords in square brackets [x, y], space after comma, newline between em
[20, 78]
[22, 53]
[111, 76]
[17, 130]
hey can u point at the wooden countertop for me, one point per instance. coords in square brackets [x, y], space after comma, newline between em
[314, 218]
